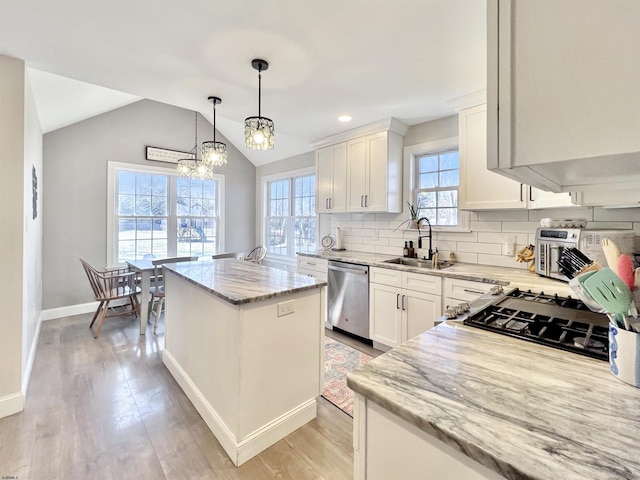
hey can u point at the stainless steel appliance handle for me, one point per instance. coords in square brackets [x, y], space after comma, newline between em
[347, 269]
[474, 291]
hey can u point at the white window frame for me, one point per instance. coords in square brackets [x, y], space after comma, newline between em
[410, 154]
[112, 203]
[300, 172]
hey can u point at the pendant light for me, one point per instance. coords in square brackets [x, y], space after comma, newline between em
[193, 167]
[258, 131]
[214, 153]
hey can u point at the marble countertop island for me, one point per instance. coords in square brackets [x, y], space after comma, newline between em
[239, 282]
[523, 410]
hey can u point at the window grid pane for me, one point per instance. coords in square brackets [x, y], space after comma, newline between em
[291, 201]
[143, 216]
[438, 179]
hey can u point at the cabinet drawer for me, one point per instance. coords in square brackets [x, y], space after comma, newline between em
[385, 276]
[464, 290]
[311, 263]
[313, 273]
[421, 282]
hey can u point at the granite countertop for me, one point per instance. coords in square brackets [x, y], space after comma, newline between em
[524, 410]
[239, 282]
[513, 277]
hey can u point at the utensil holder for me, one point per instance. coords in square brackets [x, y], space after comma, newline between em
[624, 354]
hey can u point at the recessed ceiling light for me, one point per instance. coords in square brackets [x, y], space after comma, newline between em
[344, 118]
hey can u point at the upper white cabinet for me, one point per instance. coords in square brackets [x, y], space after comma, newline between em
[374, 173]
[331, 178]
[373, 159]
[563, 93]
[482, 189]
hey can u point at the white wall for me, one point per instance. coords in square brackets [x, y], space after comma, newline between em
[75, 180]
[32, 261]
[21, 239]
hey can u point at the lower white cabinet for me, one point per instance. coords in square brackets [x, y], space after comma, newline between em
[387, 446]
[455, 291]
[313, 267]
[401, 305]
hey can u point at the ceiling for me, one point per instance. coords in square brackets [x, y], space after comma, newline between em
[373, 59]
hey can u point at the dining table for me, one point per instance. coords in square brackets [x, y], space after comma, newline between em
[145, 268]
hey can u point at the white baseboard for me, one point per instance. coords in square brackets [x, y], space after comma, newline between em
[79, 309]
[10, 404]
[243, 449]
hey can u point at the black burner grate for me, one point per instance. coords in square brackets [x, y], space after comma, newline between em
[560, 322]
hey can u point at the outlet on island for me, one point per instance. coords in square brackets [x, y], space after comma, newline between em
[286, 308]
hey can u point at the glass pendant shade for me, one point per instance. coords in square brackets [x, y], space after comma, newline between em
[193, 167]
[214, 153]
[259, 131]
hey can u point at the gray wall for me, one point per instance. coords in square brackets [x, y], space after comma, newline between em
[75, 184]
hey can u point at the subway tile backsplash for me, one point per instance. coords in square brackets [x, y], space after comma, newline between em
[485, 242]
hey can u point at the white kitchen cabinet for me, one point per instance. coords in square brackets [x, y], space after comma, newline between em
[401, 305]
[563, 92]
[371, 159]
[374, 173]
[331, 178]
[609, 196]
[482, 189]
[312, 267]
[387, 446]
[455, 290]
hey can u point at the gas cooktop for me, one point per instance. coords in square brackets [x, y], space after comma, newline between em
[560, 322]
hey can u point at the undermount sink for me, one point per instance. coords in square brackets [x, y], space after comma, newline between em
[416, 262]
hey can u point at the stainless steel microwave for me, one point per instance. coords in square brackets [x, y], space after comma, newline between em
[551, 241]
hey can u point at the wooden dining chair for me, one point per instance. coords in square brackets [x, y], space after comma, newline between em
[156, 302]
[256, 255]
[109, 285]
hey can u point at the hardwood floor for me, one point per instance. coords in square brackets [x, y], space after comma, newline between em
[107, 408]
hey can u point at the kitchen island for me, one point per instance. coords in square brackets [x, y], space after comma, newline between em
[459, 402]
[244, 342]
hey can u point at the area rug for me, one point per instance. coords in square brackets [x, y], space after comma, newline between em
[340, 359]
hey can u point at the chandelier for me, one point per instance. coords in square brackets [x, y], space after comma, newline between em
[258, 131]
[214, 153]
[193, 167]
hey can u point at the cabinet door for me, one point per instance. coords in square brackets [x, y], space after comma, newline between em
[385, 314]
[331, 166]
[420, 311]
[356, 174]
[378, 159]
[481, 189]
[564, 97]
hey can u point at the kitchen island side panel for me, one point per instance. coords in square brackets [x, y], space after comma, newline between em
[253, 375]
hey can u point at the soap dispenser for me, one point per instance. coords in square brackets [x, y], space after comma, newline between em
[412, 251]
[405, 250]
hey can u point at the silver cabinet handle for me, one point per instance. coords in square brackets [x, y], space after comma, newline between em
[404, 306]
[330, 203]
[398, 301]
[474, 291]
[326, 203]
[311, 263]
[366, 200]
[362, 200]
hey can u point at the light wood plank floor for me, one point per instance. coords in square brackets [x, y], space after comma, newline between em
[107, 408]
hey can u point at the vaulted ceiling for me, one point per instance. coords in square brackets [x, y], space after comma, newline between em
[372, 59]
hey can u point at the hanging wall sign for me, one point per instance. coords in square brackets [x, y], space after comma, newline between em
[164, 155]
[34, 192]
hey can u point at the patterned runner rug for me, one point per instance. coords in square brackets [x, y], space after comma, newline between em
[340, 359]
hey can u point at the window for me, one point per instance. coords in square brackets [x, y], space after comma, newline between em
[438, 178]
[434, 183]
[155, 214]
[290, 220]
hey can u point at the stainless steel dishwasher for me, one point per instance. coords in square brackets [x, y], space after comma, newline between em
[348, 297]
